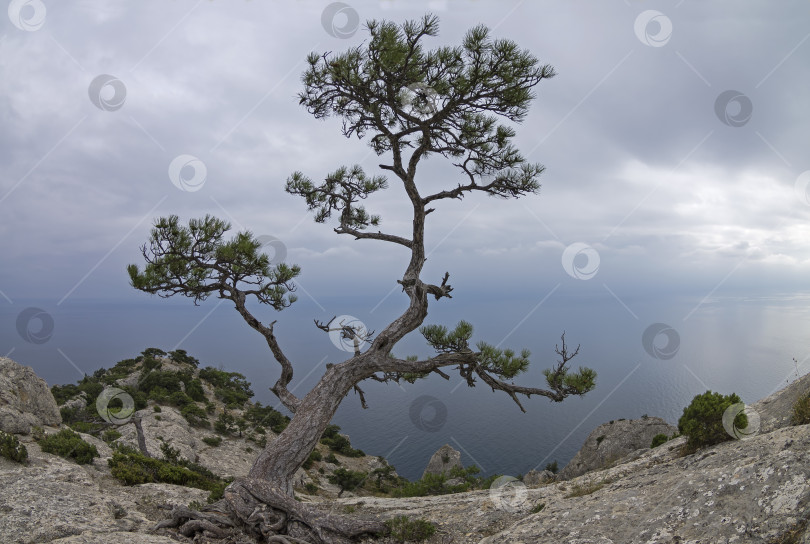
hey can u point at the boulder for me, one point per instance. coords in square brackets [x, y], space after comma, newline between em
[25, 399]
[611, 441]
[443, 460]
[775, 410]
[79, 402]
[534, 478]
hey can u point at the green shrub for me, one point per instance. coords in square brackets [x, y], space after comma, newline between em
[37, 433]
[429, 484]
[157, 409]
[702, 420]
[170, 454]
[132, 467]
[436, 484]
[384, 479]
[63, 393]
[122, 369]
[10, 448]
[180, 356]
[158, 394]
[332, 459]
[314, 455]
[658, 439]
[260, 441]
[71, 415]
[166, 379]
[331, 437]
[225, 424]
[195, 415]
[85, 427]
[538, 507]
[232, 388]
[139, 398]
[266, 416]
[212, 441]
[347, 480]
[110, 435]
[194, 389]
[331, 431]
[179, 399]
[552, 467]
[801, 411]
[232, 398]
[405, 529]
[150, 364]
[69, 445]
[311, 488]
[152, 353]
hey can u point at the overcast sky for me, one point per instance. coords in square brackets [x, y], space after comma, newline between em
[675, 136]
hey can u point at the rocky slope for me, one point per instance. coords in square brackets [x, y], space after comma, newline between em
[753, 490]
[25, 399]
[611, 441]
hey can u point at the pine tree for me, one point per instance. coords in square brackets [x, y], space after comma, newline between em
[408, 103]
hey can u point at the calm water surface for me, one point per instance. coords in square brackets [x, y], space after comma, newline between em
[726, 344]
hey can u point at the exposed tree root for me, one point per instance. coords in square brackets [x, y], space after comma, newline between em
[258, 509]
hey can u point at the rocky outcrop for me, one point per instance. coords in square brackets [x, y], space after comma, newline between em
[25, 400]
[755, 490]
[749, 491]
[51, 498]
[534, 477]
[611, 441]
[79, 402]
[775, 410]
[443, 461]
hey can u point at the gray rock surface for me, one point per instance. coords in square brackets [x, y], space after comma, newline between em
[755, 490]
[749, 491]
[25, 399]
[534, 477]
[79, 402]
[610, 442]
[443, 461]
[52, 498]
[776, 409]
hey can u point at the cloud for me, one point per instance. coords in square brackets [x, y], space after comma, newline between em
[639, 165]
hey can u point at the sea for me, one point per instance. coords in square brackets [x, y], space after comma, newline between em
[652, 355]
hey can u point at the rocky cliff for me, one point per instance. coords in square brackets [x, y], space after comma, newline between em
[752, 490]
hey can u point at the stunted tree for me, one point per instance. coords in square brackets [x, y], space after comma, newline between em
[408, 103]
